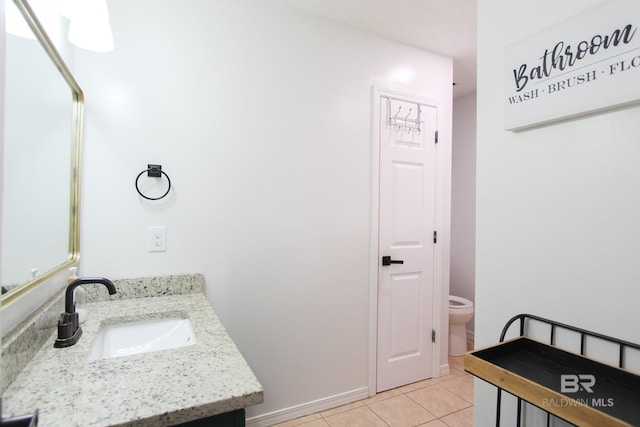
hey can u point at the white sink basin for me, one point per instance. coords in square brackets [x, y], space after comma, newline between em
[144, 336]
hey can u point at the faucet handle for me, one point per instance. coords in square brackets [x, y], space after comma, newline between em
[68, 330]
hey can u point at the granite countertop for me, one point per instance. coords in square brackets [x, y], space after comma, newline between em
[152, 389]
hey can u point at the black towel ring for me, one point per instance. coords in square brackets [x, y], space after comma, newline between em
[153, 171]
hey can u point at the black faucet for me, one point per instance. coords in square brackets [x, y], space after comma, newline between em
[69, 330]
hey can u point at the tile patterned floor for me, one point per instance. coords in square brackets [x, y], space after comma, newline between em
[437, 402]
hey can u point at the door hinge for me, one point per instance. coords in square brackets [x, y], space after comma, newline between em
[436, 137]
[433, 335]
[435, 237]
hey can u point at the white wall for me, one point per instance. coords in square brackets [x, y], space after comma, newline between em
[262, 118]
[3, 39]
[558, 212]
[3, 51]
[463, 200]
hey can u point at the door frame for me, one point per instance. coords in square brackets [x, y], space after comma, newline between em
[441, 252]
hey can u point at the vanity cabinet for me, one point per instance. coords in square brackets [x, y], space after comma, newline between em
[229, 419]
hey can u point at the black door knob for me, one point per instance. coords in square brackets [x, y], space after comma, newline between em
[386, 260]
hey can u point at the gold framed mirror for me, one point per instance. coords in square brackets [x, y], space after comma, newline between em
[44, 112]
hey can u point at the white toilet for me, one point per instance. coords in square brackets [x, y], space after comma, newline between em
[460, 312]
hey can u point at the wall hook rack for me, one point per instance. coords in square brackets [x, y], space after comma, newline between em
[153, 171]
[404, 122]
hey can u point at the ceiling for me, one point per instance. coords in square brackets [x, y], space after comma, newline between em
[447, 27]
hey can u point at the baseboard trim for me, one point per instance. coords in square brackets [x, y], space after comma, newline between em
[308, 408]
[444, 370]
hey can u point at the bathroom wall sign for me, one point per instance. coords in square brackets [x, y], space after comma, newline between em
[586, 64]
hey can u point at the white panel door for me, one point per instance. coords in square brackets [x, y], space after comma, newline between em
[406, 233]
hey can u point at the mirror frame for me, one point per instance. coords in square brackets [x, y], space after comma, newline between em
[77, 124]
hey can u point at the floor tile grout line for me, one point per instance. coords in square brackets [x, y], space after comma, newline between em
[353, 409]
[470, 404]
[460, 374]
[379, 417]
[408, 397]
